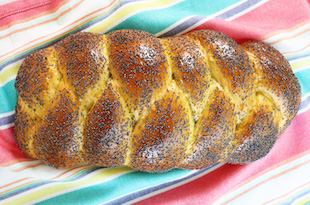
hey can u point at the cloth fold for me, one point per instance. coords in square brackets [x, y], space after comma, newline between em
[282, 177]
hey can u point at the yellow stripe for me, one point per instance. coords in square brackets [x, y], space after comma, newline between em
[115, 17]
[9, 73]
[97, 29]
[128, 10]
[67, 185]
[304, 200]
[299, 64]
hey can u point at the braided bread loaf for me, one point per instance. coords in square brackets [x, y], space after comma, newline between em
[154, 104]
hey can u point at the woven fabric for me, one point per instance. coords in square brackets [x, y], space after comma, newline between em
[282, 177]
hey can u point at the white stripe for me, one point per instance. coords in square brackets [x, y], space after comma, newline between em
[289, 194]
[7, 80]
[20, 165]
[308, 106]
[31, 35]
[289, 44]
[305, 97]
[78, 187]
[211, 17]
[246, 10]
[2, 115]
[39, 20]
[304, 58]
[19, 38]
[174, 185]
[144, 188]
[305, 198]
[173, 25]
[44, 172]
[3, 127]
[201, 21]
[197, 24]
[14, 185]
[287, 33]
[41, 172]
[302, 68]
[12, 176]
[303, 110]
[134, 13]
[295, 46]
[2, 2]
[304, 51]
[19, 62]
[265, 183]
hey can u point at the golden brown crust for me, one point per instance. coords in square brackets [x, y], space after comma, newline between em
[24, 128]
[139, 65]
[108, 127]
[230, 67]
[159, 140]
[256, 134]
[82, 59]
[213, 133]
[37, 78]
[129, 98]
[56, 140]
[275, 79]
[189, 69]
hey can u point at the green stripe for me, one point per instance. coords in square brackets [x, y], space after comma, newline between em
[110, 190]
[156, 20]
[125, 11]
[8, 97]
[97, 177]
[35, 183]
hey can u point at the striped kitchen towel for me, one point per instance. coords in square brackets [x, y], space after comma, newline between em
[282, 177]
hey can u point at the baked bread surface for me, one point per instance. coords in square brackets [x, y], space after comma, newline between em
[154, 104]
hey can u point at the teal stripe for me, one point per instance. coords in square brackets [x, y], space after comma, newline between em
[304, 80]
[156, 20]
[8, 97]
[44, 182]
[109, 190]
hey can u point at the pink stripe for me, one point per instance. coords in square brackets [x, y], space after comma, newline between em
[8, 148]
[293, 141]
[18, 10]
[263, 20]
[267, 180]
